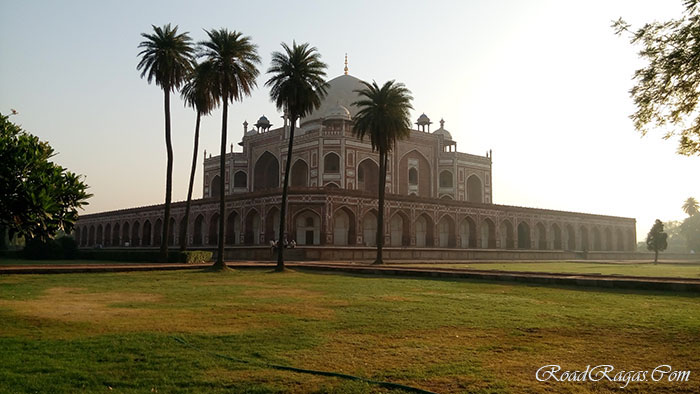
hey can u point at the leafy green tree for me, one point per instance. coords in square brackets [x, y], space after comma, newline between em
[666, 91]
[657, 239]
[297, 87]
[691, 207]
[233, 59]
[38, 198]
[166, 58]
[197, 93]
[384, 117]
[690, 229]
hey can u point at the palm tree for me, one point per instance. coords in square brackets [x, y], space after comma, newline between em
[297, 86]
[167, 59]
[383, 116]
[197, 93]
[691, 207]
[233, 59]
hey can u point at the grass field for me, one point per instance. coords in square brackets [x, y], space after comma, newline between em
[679, 270]
[8, 261]
[116, 332]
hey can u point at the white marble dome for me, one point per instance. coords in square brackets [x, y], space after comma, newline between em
[340, 91]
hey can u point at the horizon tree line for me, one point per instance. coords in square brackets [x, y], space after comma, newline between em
[227, 73]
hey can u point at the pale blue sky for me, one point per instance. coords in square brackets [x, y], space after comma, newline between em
[542, 83]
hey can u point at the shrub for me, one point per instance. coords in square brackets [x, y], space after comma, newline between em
[196, 256]
[52, 249]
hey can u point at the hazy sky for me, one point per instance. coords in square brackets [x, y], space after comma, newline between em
[542, 83]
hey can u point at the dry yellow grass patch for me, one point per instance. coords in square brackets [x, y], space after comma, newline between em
[111, 312]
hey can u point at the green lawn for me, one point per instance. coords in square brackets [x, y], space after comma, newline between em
[8, 261]
[115, 332]
[680, 270]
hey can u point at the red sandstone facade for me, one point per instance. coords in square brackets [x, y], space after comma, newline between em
[436, 196]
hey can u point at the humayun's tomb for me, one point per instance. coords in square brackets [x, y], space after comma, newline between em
[439, 201]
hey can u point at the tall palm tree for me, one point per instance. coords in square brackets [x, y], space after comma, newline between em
[197, 93]
[233, 59]
[691, 207]
[166, 58]
[383, 116]
[297, 86]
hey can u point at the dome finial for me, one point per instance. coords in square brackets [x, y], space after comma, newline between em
[346, 64]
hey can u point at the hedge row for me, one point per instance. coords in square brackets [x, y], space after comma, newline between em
[190, 256]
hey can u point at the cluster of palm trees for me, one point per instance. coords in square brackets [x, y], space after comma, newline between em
[227, 72]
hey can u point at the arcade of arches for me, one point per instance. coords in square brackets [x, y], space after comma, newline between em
[404, 228]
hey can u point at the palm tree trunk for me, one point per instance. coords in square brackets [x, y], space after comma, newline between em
[168, 178]
[219, 265]
[380, 213]
[283, 209]
[186, 220]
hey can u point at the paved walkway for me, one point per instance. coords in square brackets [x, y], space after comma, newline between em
[588, 280]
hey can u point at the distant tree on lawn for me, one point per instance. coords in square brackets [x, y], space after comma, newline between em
[657, 239]
[666, 91]
[166, 58]
[383, 116]
[38, 198]
[197, 93]
[233, 59]
[297, 87]
[691, 207]
[690, 229]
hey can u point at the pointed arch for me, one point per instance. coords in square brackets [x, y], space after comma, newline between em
[570, 237]
[507, 234]
[115, 235]
[467, 232]
[146, 237]
[171, 235]
[524, 236]
[84, 236]
[608, 244]
[344, 227]
[213, 236]
[368, 176]
[157, 232]
[541, 236]
[331, 163]
[556, 234]
[240, 179]
[585, 245]
[308, 227]
[108, 235]
[423, 185]
[272, 224]
[369, 228]
[446, 179]
[135, 234]
[597, 240]
[215, 187]
[475, 190]
[299, 174]
[446, 232]
[424, 231]
[620, 240]
[198, 230]
[399, 229]
[251, 236]
[233, 228]
[126, 241]
[488, 234]
[266, 174]
[98, 235]
[91, 236]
